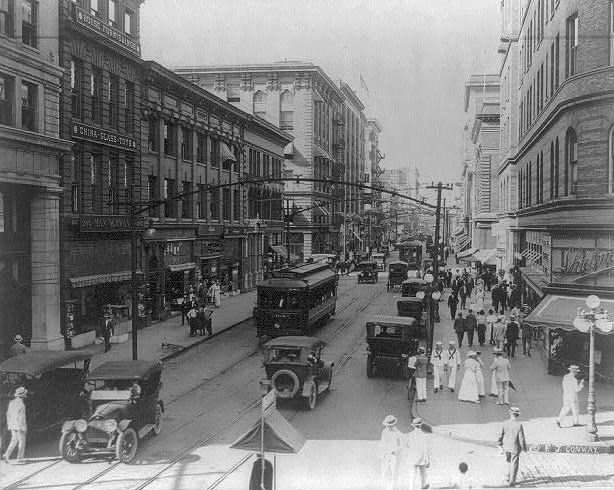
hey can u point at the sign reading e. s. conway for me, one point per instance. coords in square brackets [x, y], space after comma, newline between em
[97, 135]
[569, 448]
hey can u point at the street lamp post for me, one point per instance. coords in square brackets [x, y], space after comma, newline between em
[589, 321]
[432, 293]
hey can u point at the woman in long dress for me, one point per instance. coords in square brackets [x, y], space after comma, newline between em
[468, 391]
[480, 376]
[215, 293]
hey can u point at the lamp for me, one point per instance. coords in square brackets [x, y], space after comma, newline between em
[588, 321]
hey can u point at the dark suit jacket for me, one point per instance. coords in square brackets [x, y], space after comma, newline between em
[512, 437]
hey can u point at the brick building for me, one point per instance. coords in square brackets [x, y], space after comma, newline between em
[564, 241]
[301, 99]
[30, 175]
[100, 112]
[192, 142]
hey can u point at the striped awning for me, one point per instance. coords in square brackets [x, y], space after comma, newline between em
[95, 279]
[227, 154]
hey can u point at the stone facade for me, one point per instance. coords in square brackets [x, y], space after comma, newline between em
[30, 176]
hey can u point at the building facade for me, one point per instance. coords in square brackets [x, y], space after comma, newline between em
[207, 152]
[31, 152]
[301, 99]
[373, 199]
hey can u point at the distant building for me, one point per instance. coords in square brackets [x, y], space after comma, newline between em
[31, 152]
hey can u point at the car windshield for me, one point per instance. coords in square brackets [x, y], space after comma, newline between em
[285, 354]
[279, 299]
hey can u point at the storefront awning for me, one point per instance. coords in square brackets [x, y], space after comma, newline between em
[86, 281]
[559, 311]
[487, 256]
[318, 151]
[227, 154]
[462, 242]
[467, 253]
[289, 150]
[280, 250]
[188, 266]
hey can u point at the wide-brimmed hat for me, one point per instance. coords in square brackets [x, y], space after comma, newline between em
[18, 338]
[496, 350]
[574, 368]
[389, 421]
[20, 392]
[515, 410]
[471, 353]
[439, 343]
[452, 342]
[417, 422]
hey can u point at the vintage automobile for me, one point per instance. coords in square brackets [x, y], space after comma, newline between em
[380, 260]
[124, 407]
[367, 272]
[397, 273]
[410, 287]
[391, 340]
[294, 368]
[414, 308]
[54, 380]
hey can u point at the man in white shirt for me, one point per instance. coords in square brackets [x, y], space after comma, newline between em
[390, 451]
[453, 362]
[571, 387]
[439, 367]
[17, 424]
[501, 369]
[419, 458]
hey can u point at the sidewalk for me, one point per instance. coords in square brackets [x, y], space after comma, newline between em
[232, 311]
[538, 395]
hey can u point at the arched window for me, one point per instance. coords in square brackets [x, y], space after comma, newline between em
[556, 168]
[551, 171]
[571, 162]
[260, 103]
[611, 162]
[286, 110]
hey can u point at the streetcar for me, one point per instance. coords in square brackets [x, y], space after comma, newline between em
[295, 301]
[413, 252]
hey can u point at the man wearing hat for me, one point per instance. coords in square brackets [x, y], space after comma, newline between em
[501, 369]
[511, 442]
[419, 449]
[512, 333]
[107, 331]
[453, 362]
[390, 450]
[571, 387]
[419, 364]
[16, 423]
[17, 349]
[439, 367]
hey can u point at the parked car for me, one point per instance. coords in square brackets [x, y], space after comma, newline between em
[413, 308]
[410, 287]
[397, 273]
[54, 380]
[294, 368]
[380, 260]
[367, 272]
[391, 340]
[124, 407]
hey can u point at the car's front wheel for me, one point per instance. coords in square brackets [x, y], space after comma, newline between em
[68, 447]
[369, 366]
[127, 445]
[157, 428]
[312, 398]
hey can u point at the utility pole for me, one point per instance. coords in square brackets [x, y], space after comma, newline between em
[288, 231]
[439, 187]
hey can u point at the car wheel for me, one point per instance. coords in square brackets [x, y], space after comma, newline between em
[126, 445]
[369, 366]
[286, 383]
[313, 396]
[157, 428]
[68, 447]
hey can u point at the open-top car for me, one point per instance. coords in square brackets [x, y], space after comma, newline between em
[367, 271]
[413, 308]
[294, 368]
[391, 340]
[380, 260]
[397, 273]
[124, 407]
[54, 380]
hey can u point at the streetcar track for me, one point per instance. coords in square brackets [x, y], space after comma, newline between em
[148, 443]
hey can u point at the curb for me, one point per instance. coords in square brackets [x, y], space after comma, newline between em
[178, 352]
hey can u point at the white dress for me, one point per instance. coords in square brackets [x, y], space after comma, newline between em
[469, 385]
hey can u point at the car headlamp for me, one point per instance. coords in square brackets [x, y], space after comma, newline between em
[276, 325]
[110, 425]
[80, 425]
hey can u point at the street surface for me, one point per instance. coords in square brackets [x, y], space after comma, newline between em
[212, 396]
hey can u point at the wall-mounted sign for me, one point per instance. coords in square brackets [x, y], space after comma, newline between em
[107, 223]
[97, 135]
[583, 259]
[210, 247]
[219, 230]
[106, 31]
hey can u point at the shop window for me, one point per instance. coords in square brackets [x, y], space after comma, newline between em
[96, 94]
[153, 143]
[129, 107]
[170, 143]
[113, 100]
[28, 106]
[186, 143]
[29, 19]
[7, 85]
[186, 200]
[6, 17]
[201, 148]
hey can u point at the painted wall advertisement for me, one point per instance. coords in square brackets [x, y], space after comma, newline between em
[583, 258]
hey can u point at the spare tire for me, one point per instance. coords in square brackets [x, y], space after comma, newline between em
[285, 383]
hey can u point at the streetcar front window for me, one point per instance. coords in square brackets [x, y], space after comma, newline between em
[278, 299]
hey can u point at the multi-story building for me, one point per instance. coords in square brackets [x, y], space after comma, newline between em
[564, 242]
[31, 152]
[301, 99]
[481, 152]
[199, 147]
[373, 199]
[100, 112]
[508, 141]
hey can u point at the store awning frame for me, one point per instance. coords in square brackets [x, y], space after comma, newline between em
[462, 242]
[279, 436]
[96, 279]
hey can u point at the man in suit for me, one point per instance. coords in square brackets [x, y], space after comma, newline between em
[511, 442]
[571, 387]
[471, 324]
[459, 328]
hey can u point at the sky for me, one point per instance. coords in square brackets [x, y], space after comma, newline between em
[414, 56]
